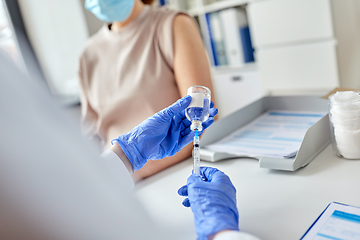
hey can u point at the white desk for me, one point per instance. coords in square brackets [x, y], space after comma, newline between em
[273, 205]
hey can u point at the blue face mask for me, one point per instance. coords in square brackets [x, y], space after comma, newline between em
[110, 10]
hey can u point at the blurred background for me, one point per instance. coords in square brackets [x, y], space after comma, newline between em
[255, 47]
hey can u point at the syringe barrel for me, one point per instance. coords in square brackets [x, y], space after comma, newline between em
[196, 155]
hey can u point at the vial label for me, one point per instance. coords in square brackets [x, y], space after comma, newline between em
[197, 100]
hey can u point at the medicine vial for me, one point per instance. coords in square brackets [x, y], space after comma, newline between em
[344, 114]
[198, 110]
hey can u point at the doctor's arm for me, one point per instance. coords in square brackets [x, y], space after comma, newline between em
[56, 187]
[122, 156]
[162, 135]
[212, 198]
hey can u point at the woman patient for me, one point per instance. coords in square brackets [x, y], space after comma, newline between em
[142, 60]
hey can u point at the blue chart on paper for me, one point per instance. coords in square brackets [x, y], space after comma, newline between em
[340, 226]
[273, 134]
[337, 222]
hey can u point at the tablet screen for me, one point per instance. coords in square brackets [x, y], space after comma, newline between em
[337, 222]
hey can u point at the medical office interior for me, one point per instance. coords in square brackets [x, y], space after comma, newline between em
[286, 53]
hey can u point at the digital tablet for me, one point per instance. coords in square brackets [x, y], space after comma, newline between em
[337, 222]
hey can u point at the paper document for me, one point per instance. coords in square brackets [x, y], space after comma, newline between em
[272, 134]
[338, 221]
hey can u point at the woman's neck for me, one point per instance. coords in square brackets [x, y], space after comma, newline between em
[138, 7]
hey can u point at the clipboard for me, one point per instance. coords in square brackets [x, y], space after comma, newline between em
[337, 221]
[315, 140]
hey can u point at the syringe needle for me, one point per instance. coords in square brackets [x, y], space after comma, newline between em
[196, 153]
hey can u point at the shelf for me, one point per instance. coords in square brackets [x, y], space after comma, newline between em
[228, 69]
[217, 6]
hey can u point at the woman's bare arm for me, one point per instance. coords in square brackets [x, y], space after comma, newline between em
[191, 67]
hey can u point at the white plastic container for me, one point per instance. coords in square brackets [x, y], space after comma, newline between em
[344, 114]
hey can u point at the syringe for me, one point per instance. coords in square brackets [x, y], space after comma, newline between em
[196, 153]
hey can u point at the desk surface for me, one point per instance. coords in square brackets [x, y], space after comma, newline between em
[273, 205]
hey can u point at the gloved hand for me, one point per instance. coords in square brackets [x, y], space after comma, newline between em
[213, 202]
[161, 135]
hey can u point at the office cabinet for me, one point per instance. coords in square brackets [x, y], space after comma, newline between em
[278, 22]
[302, 67]
[306, 46]
[236, 89]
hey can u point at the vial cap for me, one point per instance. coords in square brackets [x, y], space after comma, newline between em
[196, 125]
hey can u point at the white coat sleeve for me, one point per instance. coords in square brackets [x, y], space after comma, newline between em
[234, 235]
[116, 169]
[53, 183]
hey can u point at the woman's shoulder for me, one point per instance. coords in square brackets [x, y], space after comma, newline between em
[94, 40]
[162, 10]
[165, 21]
[162, 13]
[163, 18]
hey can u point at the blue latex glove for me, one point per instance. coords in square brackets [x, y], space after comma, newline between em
[161, 135]
[212, 200]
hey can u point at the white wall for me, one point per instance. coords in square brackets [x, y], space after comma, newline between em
[93, 24]
[347, 29]
[57, 31]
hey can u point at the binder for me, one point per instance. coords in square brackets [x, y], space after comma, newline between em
[315, 140]
[217, 36]
[246, 45]
[212, 50]
[233, 19]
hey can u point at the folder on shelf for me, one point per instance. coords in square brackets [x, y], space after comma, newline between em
[232, 20]
[317, 137]
[217, 38]
[212, 43]
[246, 45]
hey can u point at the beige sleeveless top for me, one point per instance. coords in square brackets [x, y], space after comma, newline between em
[127, 76]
